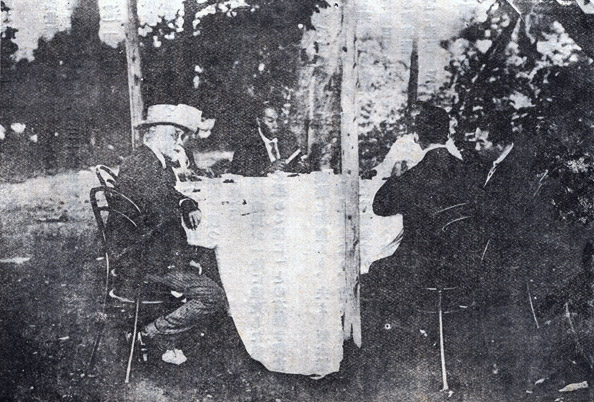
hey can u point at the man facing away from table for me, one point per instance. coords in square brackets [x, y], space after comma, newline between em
[432, 196]
[159, 242]
[266, 148]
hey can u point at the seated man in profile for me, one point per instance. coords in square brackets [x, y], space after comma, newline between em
[266, 148]
[153, 251]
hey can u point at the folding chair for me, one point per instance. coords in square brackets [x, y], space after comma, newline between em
[112, 205]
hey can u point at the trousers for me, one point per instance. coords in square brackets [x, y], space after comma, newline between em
[204, 298]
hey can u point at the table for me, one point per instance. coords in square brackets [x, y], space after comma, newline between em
[279, 242]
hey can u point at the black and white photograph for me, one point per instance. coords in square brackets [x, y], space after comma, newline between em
[297, 200]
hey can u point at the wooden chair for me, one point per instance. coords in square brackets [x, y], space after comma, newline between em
[107, 201]
[451, 286]
[106, 176]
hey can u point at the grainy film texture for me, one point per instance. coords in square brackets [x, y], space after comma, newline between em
[256, 200]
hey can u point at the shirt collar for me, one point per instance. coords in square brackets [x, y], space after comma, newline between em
[500, 159]
[158, 154]
[434, 146]
[504, 154]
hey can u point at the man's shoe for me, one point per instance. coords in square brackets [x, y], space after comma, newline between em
[140, 345]
[142, 348]
[175, 356]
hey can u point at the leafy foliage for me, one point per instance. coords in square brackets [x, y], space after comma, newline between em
[73, 98]
[381, 119]
[227, 58]
[536, 75]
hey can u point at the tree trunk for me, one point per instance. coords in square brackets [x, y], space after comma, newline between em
[134, 72]
[350, 170]
[413, 80]
[316, 121]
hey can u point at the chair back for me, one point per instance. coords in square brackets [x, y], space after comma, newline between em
[118, 220]
[107, 201]
[106, 176]
[453, 247]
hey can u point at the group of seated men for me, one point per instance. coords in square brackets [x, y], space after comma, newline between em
[428, 250]
[155, 251]
[478, 225]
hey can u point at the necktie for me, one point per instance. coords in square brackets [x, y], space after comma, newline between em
[274, 150]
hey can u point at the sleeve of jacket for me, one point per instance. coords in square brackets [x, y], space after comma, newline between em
[385, 200]
[245, 163]
[395, 195]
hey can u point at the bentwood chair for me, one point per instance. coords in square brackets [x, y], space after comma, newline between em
[455, 265]
[118, 295]
[106, 176]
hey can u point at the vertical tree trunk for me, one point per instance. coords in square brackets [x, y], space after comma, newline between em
[134, 71]
[350, 170]
[413, 80]
[311, 98]
[316, 117]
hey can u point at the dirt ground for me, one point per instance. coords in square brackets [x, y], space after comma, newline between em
[49, 302]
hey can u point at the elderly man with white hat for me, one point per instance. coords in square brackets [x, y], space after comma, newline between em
[158, 241]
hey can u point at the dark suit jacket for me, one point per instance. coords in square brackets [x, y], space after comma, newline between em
[437, 182]
[251, 157]
[434, 250]
[435, 231]
[515, 221]
[153, 244]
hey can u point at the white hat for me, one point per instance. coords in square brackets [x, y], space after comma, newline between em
[184, 116]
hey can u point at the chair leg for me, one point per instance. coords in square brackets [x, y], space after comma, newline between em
[444, 375]
[91, 364]
[133, 342]
[107, 271]
[102, 317]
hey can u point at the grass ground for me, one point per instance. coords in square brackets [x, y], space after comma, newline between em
[48, 307]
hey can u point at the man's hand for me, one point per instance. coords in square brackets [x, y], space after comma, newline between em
[194, 219]
[277, 165]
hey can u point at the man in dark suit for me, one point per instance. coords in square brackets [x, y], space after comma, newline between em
[435, 251]
[266, 148]
[152, 250]
[524, 249]
[431, 194]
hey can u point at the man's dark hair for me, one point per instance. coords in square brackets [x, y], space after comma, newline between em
[432, 123]
[499, 125]
[262, 107]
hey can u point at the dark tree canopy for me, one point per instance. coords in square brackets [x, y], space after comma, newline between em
[228, 63]
[544, 91]
[73, 97]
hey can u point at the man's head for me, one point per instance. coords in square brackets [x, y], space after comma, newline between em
[268, 121]
[500, 129]
[432, 124]
[165, 138]
[493, 135]
[166, 127]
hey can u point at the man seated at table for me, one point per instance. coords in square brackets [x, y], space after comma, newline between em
[158, 243]
[266, 148]
[433, 198]
[191, 148]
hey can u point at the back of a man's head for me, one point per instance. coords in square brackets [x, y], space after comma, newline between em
[432, 124]
[499, 126]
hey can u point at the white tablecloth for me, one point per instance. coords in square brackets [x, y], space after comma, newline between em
[280, 248]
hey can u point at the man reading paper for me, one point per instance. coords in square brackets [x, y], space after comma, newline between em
[267, 148]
